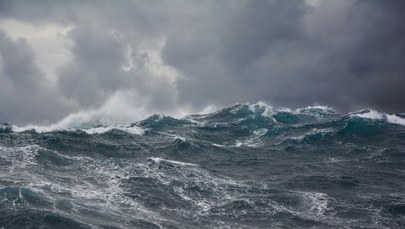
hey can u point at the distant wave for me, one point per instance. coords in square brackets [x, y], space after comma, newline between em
[373, 114]
[94, 123]
[243, 166]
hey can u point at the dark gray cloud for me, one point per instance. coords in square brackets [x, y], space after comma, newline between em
[346, 54]
[95, 71]
[25, 94]
[221, 54]
[342, 53]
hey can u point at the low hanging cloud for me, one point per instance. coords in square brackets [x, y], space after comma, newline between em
[168, 57]
[347, 54]
[25, 94]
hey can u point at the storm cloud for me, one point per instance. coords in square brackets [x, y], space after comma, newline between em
[347, 54]
[171, 56]
[25, 95]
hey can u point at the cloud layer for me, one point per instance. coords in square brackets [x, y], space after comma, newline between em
[171, 56]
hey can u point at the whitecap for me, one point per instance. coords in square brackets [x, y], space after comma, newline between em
[131, 130]
[95, 130]
[316, 107]
[38, 129]
[318, 111]
[238, 143]
[266, 110]
[368, 114]
[284, 109]
[375, 115]
[118, 110]
[394, 119]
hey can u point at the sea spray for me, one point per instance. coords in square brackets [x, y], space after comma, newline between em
[244, 166]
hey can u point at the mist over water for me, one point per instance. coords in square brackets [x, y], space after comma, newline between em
[244, 166]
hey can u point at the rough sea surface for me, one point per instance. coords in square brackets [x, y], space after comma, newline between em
[246, 166]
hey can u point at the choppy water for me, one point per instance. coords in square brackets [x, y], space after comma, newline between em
[246, 166]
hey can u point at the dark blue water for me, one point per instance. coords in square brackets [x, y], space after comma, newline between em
[246, 166]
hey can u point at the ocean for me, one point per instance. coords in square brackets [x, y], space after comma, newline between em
[244, 166]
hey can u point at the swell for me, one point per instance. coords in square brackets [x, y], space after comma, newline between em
[245, 166]
[237, 117]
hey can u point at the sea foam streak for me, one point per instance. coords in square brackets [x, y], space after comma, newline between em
[245, 166]
[160, 160]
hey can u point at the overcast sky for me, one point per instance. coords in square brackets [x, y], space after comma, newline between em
[135, 58]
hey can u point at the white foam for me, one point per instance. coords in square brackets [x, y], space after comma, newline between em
[253, 141]
[375, 115]
[217, 145]
[38, 129]
[20, 157]
[371, 114]
[314, 110]
[197, 122]
[99, 130]
[250, 142]
[100, 188]
[317, 202]
[261, 132]
[284, 109]
[238, 143]
[313, 131]
[159, 160]
[318, 107]
[267, 109]
[395, 119]
[192, 175]
[314, 205]
[177, 137]
[183, 139]
[96, 130]
[120, 109]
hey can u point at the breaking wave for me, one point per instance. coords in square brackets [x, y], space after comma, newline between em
[244, 166]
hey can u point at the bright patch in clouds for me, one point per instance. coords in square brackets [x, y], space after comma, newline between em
[48, 41]
[313, 3]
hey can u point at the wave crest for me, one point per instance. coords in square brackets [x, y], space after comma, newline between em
[258, 115]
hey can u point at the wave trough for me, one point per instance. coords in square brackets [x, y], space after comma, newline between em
[244, 166]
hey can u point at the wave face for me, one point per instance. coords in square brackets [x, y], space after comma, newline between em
[245, 166]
